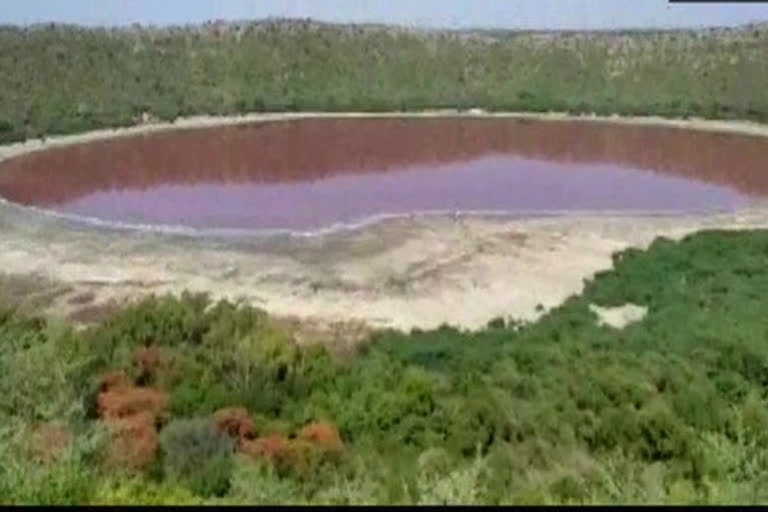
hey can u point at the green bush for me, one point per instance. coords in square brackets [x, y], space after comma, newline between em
[282, 66]
[197, 456]
[66, 480]
[557, 411]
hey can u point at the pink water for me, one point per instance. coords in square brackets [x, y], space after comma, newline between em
[310, 174]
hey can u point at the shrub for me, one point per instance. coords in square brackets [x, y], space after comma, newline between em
[257, 485]
[136, 491]
[323, 435]
[316, 445]
[200, 397]
[568, 489]
[67, 480]
[26, 347]
[126, 402]
[50, 441]
[662, 434]
[134, 442]
[236, 423]
[197, 456]
[272, 448]
[149, 361]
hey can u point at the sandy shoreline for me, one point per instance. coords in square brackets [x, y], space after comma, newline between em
[402, 273]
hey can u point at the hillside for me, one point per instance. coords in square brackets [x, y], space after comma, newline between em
[62, 79]
[173, 401]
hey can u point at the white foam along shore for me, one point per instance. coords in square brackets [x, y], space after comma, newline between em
[339, 227]
[193, 122]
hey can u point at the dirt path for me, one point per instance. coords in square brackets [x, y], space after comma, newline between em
[402, 273]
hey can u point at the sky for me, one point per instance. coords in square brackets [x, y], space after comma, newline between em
[522, 14]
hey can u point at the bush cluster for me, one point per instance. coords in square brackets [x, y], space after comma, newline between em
[57, 79]
[215, 403]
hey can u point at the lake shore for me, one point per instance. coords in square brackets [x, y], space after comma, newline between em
[417, 271]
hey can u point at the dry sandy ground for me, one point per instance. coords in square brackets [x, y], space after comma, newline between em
[409, 272]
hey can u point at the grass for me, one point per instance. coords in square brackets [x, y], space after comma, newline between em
[671, 409]
[58, 79]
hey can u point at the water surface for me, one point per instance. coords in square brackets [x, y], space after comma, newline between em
[313, 173]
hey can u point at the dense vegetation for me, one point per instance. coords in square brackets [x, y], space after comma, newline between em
[63, 79]
[176, 400]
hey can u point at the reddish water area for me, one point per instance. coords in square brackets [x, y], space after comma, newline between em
[314, 173]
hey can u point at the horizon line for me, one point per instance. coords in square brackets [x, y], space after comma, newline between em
[128, 26]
